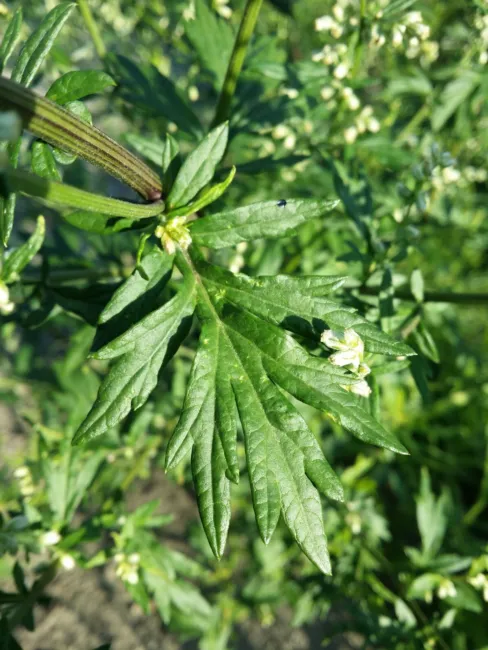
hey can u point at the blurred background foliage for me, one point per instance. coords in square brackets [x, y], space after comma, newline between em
[381, 103]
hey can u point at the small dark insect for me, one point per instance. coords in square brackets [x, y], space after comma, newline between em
[281, 203]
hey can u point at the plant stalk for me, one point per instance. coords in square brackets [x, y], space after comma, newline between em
[246, 29]
[461, 298]
[60, 128]
[92, 27]
[61, 194]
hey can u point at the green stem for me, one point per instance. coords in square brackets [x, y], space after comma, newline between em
[58, 277]
[59, 127]
[464, 298]
[246, 30]
[475, 511]
[92, 27]
[416, 121]
[58, 193]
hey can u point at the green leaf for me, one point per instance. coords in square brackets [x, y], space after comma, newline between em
[256, 221]
[454, 94]
[78, 84]
[314, 381]
[43, 162]
[212, 39]
[208, 424]
[20, 257]
[151, 148]
[432, 516]
[170, 161]
[466, 598]
[10, 38]
[141, 352]
[153, 93]
[425, 343]
[283, 457]
[206, 197]
[102, 224]
[298, 304]
[138, 291]
[199, 167]
[39, 44]
[417, 285]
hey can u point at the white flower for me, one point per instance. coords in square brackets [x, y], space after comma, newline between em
[338, 12]
[478, 581]
[341, 71]
[397, 38]
[67, 562]
[290, 141]
[446, 589]
[483, 57]
[172, 234]
[413, 17]
[353, 340]
[51, 538]
[334, 339]
[346, 358]
[350, 134]
[363, 370]
[22, 472]
[423, 31]
[291, 93]
[193, 93]
[327, 93]
[128, 567]
[280, 132]
[373, 125]
[361, 388]
[132, 577]
[336, 31]
[377, 39]
[6, 305]
[323, 23]
[450, 175]
[349, 345]
[353, 519]
[189, 12]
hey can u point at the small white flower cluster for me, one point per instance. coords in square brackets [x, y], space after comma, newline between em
[350, 354]
[353, 518]
[480, 581]
[336, 92]
[128, 567]
[173, 234]
[222, 8]
[285, 133]
[51, 538]
[365, 121]
[238, 261]
[446, 589]
[481, 23]
[26, 484]
[443, 177]
[334, 56]
[475, 174]
[189, 12]
[117, 17]
[412, 37]
[6, 305]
